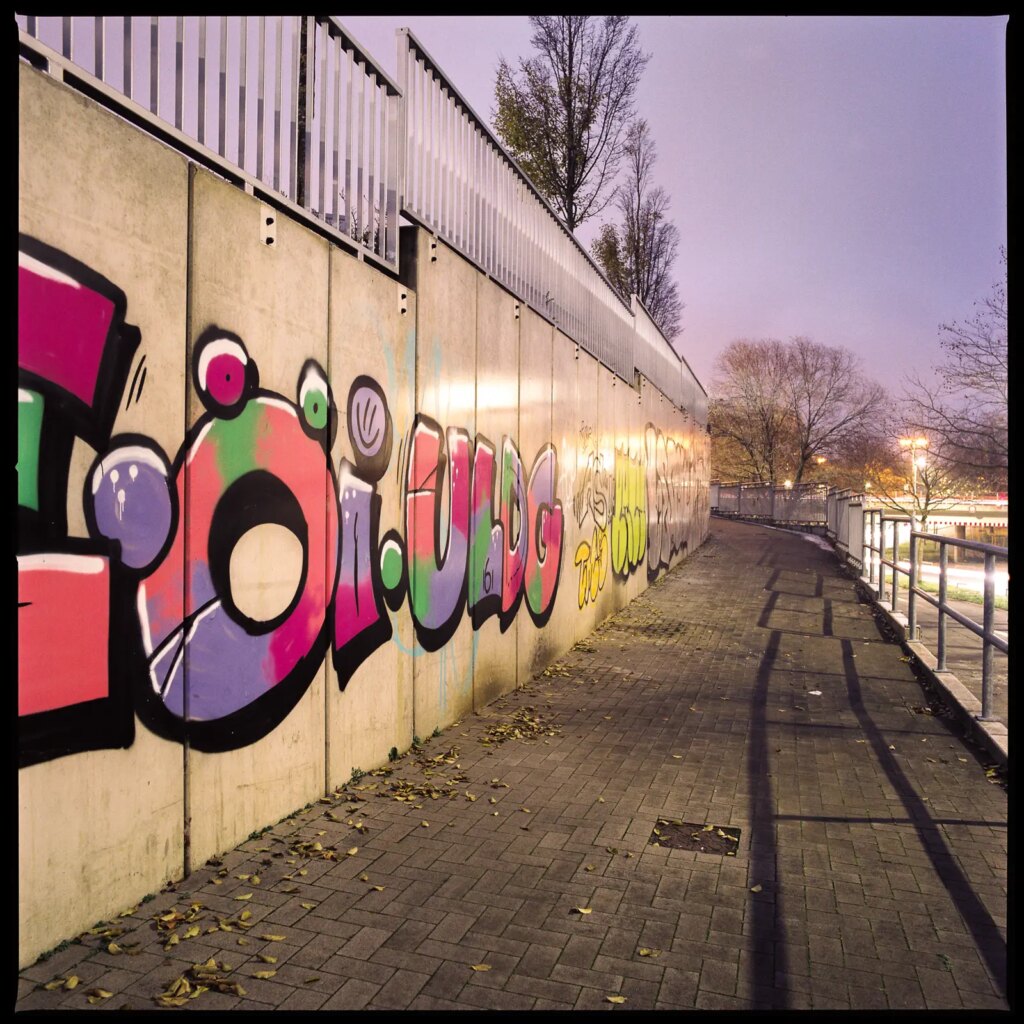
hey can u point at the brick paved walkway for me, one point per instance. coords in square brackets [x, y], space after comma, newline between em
[870, 869]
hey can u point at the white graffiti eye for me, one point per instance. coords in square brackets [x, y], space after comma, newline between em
[221, 371]
[314, 397]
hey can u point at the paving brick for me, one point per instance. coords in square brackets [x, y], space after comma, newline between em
[400, 990]
[354, 994]
[850, 914]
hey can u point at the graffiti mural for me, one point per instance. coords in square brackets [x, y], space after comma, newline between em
[75, 352]
[674, 467]
[163, 612]
[591, 499]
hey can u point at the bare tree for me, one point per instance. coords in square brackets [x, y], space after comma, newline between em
[563, 113]
[637, 254]
[965, 413]
[785, 404]
[829, 396]
[748, 410]
[911, 480]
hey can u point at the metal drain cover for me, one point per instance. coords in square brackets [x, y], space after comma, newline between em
[689, 835]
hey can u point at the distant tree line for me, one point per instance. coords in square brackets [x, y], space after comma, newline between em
[799, 410]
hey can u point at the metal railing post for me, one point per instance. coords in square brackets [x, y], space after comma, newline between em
[943, 562]
[867, 555]
[986, 652]
[882, 591]
[911, 595]
[895, 558]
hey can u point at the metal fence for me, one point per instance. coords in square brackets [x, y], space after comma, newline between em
[295, 107]
[657, 360]
[881, 540]
[870, 539]
[462, 184]
[289, 104]
[803, 504]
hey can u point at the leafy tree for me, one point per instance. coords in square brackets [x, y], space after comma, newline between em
[637, 254]
[562, 114]
[965, 412]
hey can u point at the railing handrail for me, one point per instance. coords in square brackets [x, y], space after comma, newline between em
[361, 51]
[434, 67]
[968, 545]
[357, 201]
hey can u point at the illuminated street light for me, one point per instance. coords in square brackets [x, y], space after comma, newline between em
[788, 485]
[915, 444]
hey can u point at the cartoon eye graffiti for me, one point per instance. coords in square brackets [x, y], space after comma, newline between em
[316, 401]
[224, 375]
[231, 658]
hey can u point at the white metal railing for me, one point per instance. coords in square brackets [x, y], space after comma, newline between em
[291, 102]
[881, 539]
[295, 109]
[870, 538]
[799, 503]
[657, 360]
[461, 184]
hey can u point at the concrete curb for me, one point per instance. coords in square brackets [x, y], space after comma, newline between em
[993, 736]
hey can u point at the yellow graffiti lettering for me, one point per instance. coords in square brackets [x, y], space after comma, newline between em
[592, 559]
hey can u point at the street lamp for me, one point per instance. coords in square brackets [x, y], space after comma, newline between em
[916, 447]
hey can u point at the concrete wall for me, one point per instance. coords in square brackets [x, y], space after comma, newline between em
[278, 511]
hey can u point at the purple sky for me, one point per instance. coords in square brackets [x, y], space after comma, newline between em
[842, 178]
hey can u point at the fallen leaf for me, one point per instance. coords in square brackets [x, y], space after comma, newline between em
[263, 975]
[755, 888]
[267, 958]
[425, 824]
[274, 938]
[481, 967]
[244, 896]
[644, 951]
[113, 948]
[364, 878]
[72, 982]
[309, 981]
[581, 910]
[615, 999]
[308, 906]
[589, 867]
[191, 932]
[353, 851]
[377, 888]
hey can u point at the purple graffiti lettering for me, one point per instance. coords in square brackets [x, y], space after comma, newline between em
[437, 579]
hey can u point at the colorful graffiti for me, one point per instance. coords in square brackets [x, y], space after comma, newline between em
[163, 610]
[75, 351]
[674, 500]
[646, 506]
[591, 500]
[204, 667]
